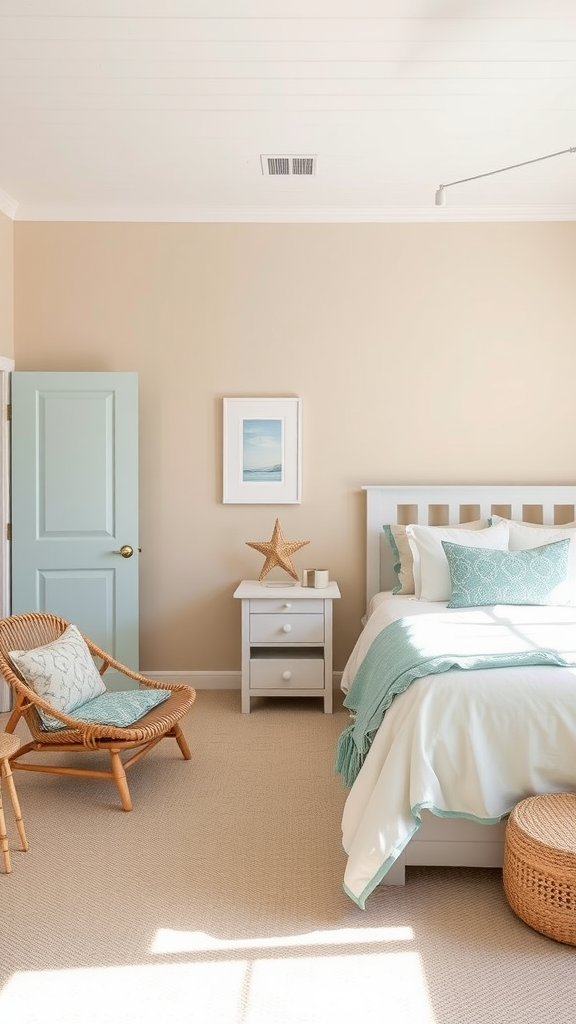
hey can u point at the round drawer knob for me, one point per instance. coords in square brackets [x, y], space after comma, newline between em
[286, 676]
[288, 604]
[287, 628]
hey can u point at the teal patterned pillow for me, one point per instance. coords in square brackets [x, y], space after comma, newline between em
[483, 576]
[62, 672]
[118, 707]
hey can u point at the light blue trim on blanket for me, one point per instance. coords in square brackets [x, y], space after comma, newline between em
[415, 646]
[360, 900]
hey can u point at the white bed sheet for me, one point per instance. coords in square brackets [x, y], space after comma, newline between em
[397, 605]
[461, 744]
[383, 609]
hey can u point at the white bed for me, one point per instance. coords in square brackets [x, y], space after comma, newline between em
[438, 841]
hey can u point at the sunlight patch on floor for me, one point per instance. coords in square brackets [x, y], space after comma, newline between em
[169, 941]
[161, 994]
[282, 989]
[388, 987]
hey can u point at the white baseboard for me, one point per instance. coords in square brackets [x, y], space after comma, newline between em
[213, 680]
[199, 680]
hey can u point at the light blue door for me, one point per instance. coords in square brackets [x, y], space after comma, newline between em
[75, 503]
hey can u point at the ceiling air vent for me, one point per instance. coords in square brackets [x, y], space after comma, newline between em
[288, 166]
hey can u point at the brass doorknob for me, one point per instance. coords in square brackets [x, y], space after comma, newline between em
[126, 551]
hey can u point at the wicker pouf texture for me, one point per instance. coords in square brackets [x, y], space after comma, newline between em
[540, 864]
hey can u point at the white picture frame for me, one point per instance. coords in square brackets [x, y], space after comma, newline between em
[262, 451]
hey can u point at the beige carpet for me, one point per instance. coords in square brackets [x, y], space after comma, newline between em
[219, 899]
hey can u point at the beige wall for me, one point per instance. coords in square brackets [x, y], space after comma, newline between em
[6, 286]
[422, 353]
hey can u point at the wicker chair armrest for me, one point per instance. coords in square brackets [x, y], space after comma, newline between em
[89, 733]
[28, 698]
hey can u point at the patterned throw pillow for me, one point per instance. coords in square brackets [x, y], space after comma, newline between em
[486, 577]
[431, 576]
[533, 535]
[63, 672]
[115, 707]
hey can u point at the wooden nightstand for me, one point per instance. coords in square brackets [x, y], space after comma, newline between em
[286, 641]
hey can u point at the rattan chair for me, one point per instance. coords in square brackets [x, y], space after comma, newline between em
[35, 629]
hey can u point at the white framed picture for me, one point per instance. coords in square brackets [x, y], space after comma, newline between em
[262, 449]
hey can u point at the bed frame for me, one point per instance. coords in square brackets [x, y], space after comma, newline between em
[450, 841]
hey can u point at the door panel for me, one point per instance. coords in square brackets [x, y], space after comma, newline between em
[81, 596]
[78, 434]
[75, 502]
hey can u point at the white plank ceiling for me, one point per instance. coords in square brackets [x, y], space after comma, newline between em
[164, 109]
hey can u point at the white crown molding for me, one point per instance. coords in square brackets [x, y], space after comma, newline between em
[299, 215]
[8, 205]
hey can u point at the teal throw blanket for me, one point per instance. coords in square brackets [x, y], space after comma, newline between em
[423, 645]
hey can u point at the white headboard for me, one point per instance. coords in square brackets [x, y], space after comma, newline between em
[450, 505]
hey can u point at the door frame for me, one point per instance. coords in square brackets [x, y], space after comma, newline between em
[6, 367]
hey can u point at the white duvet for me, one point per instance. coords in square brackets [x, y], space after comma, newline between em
[462, 743]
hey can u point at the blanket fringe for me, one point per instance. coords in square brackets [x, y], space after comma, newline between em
[348, 758]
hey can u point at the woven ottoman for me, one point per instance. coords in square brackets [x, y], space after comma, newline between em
[539, 870]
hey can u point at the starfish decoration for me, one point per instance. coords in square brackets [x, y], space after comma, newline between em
[277, 551]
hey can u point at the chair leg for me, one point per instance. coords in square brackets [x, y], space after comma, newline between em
[4, 835]
[15, 716]
[15, 803]
[120, 780]
[179, 737]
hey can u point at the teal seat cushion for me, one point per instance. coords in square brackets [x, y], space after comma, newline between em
[484, 576]
[115, 707]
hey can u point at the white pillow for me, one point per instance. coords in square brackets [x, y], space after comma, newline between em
[431, 573]
[403, 559]
[62, 672]
[525, 536]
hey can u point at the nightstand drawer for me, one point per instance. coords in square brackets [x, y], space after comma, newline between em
[286, 641]
[287, 673]
[304, 606]
[293, 629]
